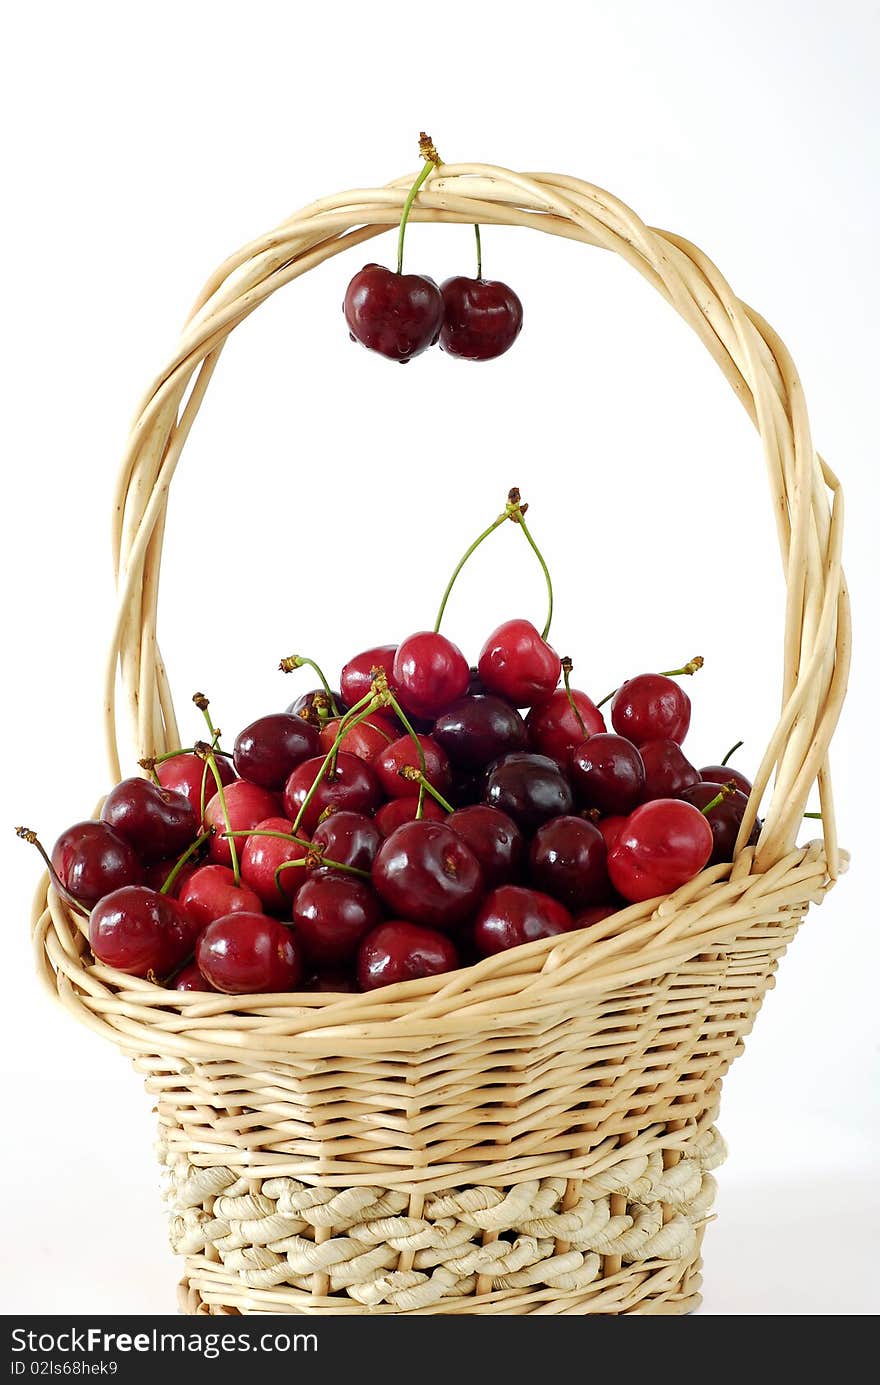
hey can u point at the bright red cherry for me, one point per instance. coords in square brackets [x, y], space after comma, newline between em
[528, 788]
[611, 828]
[245, 954]
[189, 978]
[260, 858]
[353, 786]
[724, 819]
[91, 860]
[518, 664]
[478, 729]
[351, 839]
[366, 739]
[268, 750]
[399, 951]
[723, 774]
[482, 318]
[356, 679]
[403, 752]
[430, 672]
[400, 810]
[668, 771]
[512, 915]
[495, 840]
[555, 730]
[331, 914]
[425, 872]
[664, 844]
[140, 932]
[651, 707]
[567, 859]
[186, 773]
[608, 773]
[398, 315]
[211, 893]
[156, 822]
[246, 804]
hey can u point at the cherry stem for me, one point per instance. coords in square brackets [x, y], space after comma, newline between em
[315, 860]
[432, 161]
[514, 510]
[179, 865]
[368, 704]
[269, 832]
[567, 667]
[540, 557]
[152, 760]
[725, 791]
[732, 751]
[294, 661]
[207, 753]
[384, 691]
[202, 703]
[496, 524]
[27, 834]
[479, 252]
[690, 667]
[813, 815]
[415, 776]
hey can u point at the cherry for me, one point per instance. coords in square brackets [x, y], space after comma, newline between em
[556, 729]
[356, 679]
[429, 673]
[400, 810]
[651, 707]
[611, 828]
[189, 978]
[399, 951]
[608, 773]
[482, 318]
[724, 819]
[313, 706]
[332, 913]
[516, 663]
[157, 822]
[596, 913]
[724, 774]
[244, 954]
[478, 729]
[260, 858]
[186, 773]
[335, 981]
[495, 840]
[567, 860]
[211, 893]
[351, 839]
[268, 750]
[668, 772]
[352, 785]
[664, 844]
[157, 872]
[246, 805]
[140, 931]
[528, 788]
[425, 872]
[512, 915]
[403, 752]
[92, 860]
[398, 315]
[365, 739]
[466, 788]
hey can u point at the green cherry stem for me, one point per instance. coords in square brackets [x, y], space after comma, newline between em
[369, 703]
[814, 815]
[496, 524]
[732, 751]
[725, 791]
[514, 510]
[294, 661]
[27, 834]
[175, 870]
[567, 667]
[415, 776]
[432, 161]
[207, 754]
[479, 252]
[544, 568]
[313, 862]
[689, 668]
[410, 731]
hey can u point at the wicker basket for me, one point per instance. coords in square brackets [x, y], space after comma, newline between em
[533, 1134]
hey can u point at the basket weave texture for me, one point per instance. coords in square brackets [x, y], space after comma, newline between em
[533, 1134]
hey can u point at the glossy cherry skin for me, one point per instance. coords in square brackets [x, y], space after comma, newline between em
[607, 773]
[91, 860]
[651, 707]
[478, 729]
[512, 915]
[139, 931]
[403, 752]
[398, 315]
[356, 679]
[211, 893]
[567, 859]
[401, 951]
[189, 978]
[724, 774]
[366, 740]
[349, 838]
[664, 844]
[668, 771]
[528, 788]
[246, 954]
[353, 787]
[260, 858]
[518, 664]
[186, 773]
[426, 873]
[430, 672]
[246, 804]
[596, 913]
[331, 914]
[156, 822]
[553, 728]
[611, 828]
[400, 810]
[482, 318]
[495, 840]
[268, 751]
[724, 819]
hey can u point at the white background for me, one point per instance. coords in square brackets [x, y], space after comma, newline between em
[326, 493]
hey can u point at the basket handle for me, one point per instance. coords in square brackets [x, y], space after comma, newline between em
[806, 495]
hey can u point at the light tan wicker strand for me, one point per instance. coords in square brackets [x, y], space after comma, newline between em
[533, 1134]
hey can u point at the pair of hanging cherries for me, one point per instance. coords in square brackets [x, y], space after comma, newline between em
[401, 315]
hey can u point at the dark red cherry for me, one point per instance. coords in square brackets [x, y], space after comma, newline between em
[478, 729]
[466, 788]
[186, 773]
[336, 981]
[651, 707]
[211, 893]
[567, 860]
[607, 773]
[723, 774]
[331, 914]
[512, 915]
[400, 951]
[189, 978]
[516, 663]
[156, 822]
[352, 786]
[313, 706]
[596, 913]
[482, 318]
[268, 750]
[398, 315]
[668, 771]
[245, 954]
[403, 752]
[157, 872]
[664, 844]
[351, 839]
[400, 810]
[611, 828]
[426, 873]
[140, 932]
[495, 840]
[724, 819]
[555, 730]
[430, 672]
[528, 788]
[366, 739]
[356, 679]
[91, 860]
[260, 858]
[246, 805]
